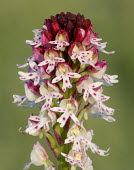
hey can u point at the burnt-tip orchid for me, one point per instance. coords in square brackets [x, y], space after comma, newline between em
[51, 57]
[95, 111]
[37, 38]
[69, 107]
[61, 40]
[64, 79]
[64, 71]
[99, 102]
[31, 94]
[36, 74]
[48, 92]
[78, 159]
[110, 79]
[82, 139]
[38, 124]
[30, 59]
[86, 83]
[76, 51]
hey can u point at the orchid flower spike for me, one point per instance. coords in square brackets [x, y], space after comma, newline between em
[64, 79]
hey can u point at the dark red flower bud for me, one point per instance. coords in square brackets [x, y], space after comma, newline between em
[38, 53]
[55, 27]
[79, 34]
[46, 37]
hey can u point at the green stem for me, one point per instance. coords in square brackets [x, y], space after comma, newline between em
[80, 115]
[62, 164]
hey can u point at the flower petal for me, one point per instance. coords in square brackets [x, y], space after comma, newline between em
[44, 62]
[57, 79]
[67, 156]
[58, 109]
[86, 94]
[56, 95]
[70, 139]
[62, 119]
[37, 79]
[41, 98]
[34, 66]
[57, 59]
[73, 75]
[22, 66]
[74, 118]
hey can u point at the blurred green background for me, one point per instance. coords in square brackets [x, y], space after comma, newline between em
[114, 21]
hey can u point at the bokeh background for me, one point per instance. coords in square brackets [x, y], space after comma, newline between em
[114, 21]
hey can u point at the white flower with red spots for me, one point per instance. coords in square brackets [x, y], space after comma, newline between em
[37, 38]
[31, 94]
[37, 124]
[76, 51]
[79, 136]
[78, 158]
[94, 110]
[51, 57]
[69, 107]
[110, 79]
[86, 83]
[100, 46]
[18, 98]
[64, 71]
[38, 157]
[100, 104]
[30, 59]
[61, 40]
[48, 92]
[91, 38]
[36, 74]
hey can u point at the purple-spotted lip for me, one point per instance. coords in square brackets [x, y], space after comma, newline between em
[51, 49]
[32, 88]
[71, 47]
[82, 79]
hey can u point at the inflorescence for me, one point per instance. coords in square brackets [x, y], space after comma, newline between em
[64, 79]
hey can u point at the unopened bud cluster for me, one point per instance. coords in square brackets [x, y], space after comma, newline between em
[64, 80]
